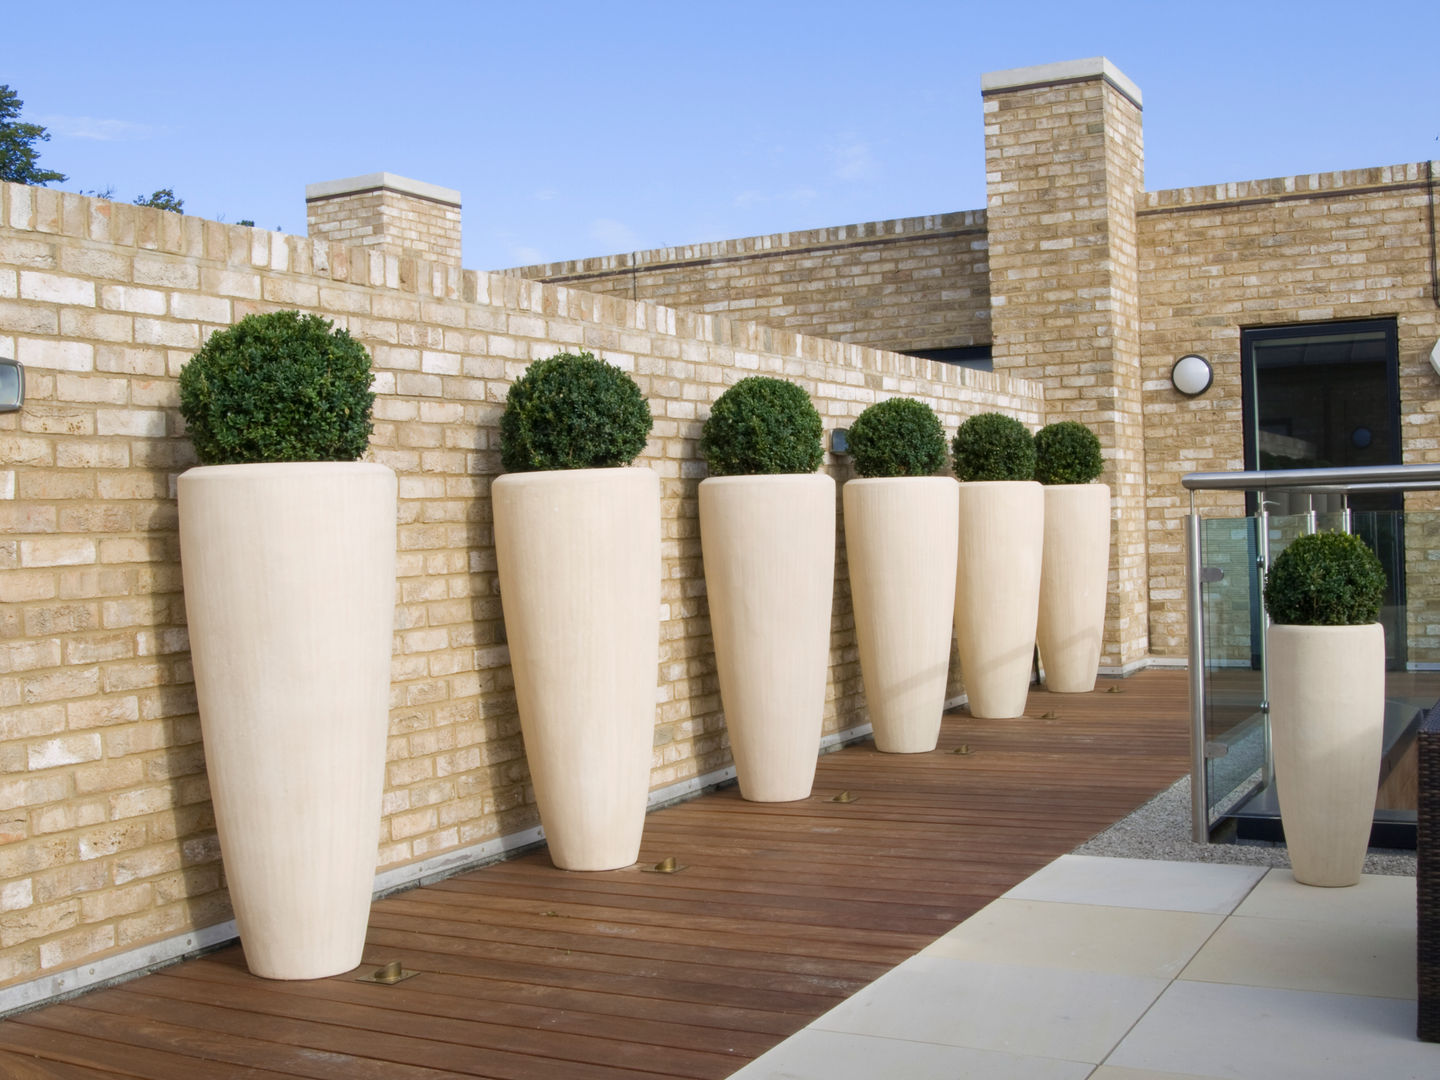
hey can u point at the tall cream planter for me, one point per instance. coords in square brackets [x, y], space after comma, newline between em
[769, 548]
[289, 573]
[900, 538]
[579, 560]
[1074, 573]
[1327, 714]
[997, 592]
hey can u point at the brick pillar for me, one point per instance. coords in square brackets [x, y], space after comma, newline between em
[394, 214]
[1064, 161]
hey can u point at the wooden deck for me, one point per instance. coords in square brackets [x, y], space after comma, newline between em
[785, 910]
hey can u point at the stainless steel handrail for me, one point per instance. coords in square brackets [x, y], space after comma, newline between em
[1330, 481]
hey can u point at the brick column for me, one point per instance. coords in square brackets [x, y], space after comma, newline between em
[394, 214]
[1064, 163]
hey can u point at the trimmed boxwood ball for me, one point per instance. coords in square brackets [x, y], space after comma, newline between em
[993, 446]
[572, 411]
[762, 425]
[1067, 452]
[899, 437]
[1325, 579]
[278, 387]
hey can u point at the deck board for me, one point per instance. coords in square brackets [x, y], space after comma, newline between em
[785, 910]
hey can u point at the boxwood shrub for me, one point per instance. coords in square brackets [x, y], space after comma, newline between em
[898, 437]
[762, 425]
[1067, 452]
[279, 386]
[572, 411]
[993, 446]
[1325, 579]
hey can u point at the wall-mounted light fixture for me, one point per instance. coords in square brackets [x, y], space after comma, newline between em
[840, 441]
[1435, 357]
[12, 385]
[1192, 375]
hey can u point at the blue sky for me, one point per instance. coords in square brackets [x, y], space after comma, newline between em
[575, 129]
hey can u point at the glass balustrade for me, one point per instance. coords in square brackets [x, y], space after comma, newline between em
[1233, 794]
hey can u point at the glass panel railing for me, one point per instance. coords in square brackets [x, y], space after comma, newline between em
[1227, 555]
[1235, 691]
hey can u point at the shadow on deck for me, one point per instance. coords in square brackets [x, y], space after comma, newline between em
[784, 911]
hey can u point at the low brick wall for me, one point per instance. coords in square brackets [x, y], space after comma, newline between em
[107, 841]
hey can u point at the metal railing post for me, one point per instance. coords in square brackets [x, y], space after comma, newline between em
[1199, 788]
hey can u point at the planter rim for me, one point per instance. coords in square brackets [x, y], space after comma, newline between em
[867, 480]
[1324, 627]
[554, 476]
[300, 467]
[783, 478]
[1000, 483]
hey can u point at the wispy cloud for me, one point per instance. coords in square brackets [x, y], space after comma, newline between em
[547, 194]
[102, 129]
[615, 235]
[851, 158]
[524, 255]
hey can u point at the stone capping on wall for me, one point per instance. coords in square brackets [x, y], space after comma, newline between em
[787, 243]
[381, 181]
[1067, 71]
[1284, 188]
[45, 210]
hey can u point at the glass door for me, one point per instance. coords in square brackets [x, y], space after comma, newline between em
[1327, 395]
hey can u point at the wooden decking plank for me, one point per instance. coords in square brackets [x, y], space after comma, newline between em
[608, 1005]
[580, 935]
[462, 999]
[786, 909]
[373, 1030]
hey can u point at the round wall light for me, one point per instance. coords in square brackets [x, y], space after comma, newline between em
[1192, 375]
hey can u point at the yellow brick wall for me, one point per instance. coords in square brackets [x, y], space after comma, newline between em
[1310, 248]
[106, 835]
[395, 222]
[1064, 163]
[909, 284]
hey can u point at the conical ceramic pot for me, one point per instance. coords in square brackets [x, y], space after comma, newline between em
[997, 592]
[1074, 573]
[289, 574]
[769, 548]
[579, 560]
[1327, 717]
[900, 541]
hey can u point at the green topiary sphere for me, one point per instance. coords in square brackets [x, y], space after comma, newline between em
[1325, 579]
[993, 446]
[762, 425]
[1067, 453]
[899, 437]
[573, 411]
[278, 387]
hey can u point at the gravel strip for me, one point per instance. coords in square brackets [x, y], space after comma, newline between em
[1161, 830]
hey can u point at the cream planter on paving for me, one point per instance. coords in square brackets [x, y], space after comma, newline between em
[1327, 713]
[900, 539]
[289, 574]
[1074, 573]
[997, 592]
[769, 549]
[579, 561]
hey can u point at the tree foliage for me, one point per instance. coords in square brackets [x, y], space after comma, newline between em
[573, 411]
[162, 199]
[278, 387]
[18, 156]
[762, 426]
[1325, 579]
[1067, 452]
[897, 437]
[993, 446]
